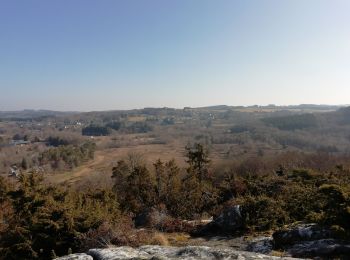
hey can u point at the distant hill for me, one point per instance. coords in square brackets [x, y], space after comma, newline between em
[29, 113]
[42, 113]
[271, 106]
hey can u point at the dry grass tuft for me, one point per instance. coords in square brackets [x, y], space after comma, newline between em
[159, 239]
[278, 253]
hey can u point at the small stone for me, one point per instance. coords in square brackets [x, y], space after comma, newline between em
[81, 256]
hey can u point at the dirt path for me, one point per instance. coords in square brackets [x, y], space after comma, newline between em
[81, 171]
[100, 168]
[85, 169]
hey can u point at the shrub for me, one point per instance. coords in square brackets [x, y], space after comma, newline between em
[262, 213]
[335, 206]
[48, 220]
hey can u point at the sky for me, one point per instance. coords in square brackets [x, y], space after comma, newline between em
[85, 55]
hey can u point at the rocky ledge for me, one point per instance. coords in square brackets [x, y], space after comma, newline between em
[165, 252]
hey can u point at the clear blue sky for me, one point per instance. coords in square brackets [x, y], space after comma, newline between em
[97, 55]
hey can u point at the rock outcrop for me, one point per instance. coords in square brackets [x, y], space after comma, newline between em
[301, 232]
[311, 240]
[325, 248]
[301, 240]
[161, 252]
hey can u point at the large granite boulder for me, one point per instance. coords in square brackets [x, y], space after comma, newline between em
[228, 222]
[180, 253]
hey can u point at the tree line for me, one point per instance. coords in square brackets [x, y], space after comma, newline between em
[107, 129]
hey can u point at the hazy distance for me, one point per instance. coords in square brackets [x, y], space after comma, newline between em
[88, 55]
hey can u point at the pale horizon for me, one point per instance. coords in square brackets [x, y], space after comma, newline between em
[161, 107]
[117, 55]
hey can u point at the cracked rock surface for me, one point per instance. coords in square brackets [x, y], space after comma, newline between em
[166, 252]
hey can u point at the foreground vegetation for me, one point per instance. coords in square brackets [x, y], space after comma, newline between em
[39, 221]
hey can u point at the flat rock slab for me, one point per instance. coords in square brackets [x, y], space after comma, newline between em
[162, 252]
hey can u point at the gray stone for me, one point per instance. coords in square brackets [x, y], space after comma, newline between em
[230, 219]
[75, 257]
[263, 245]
